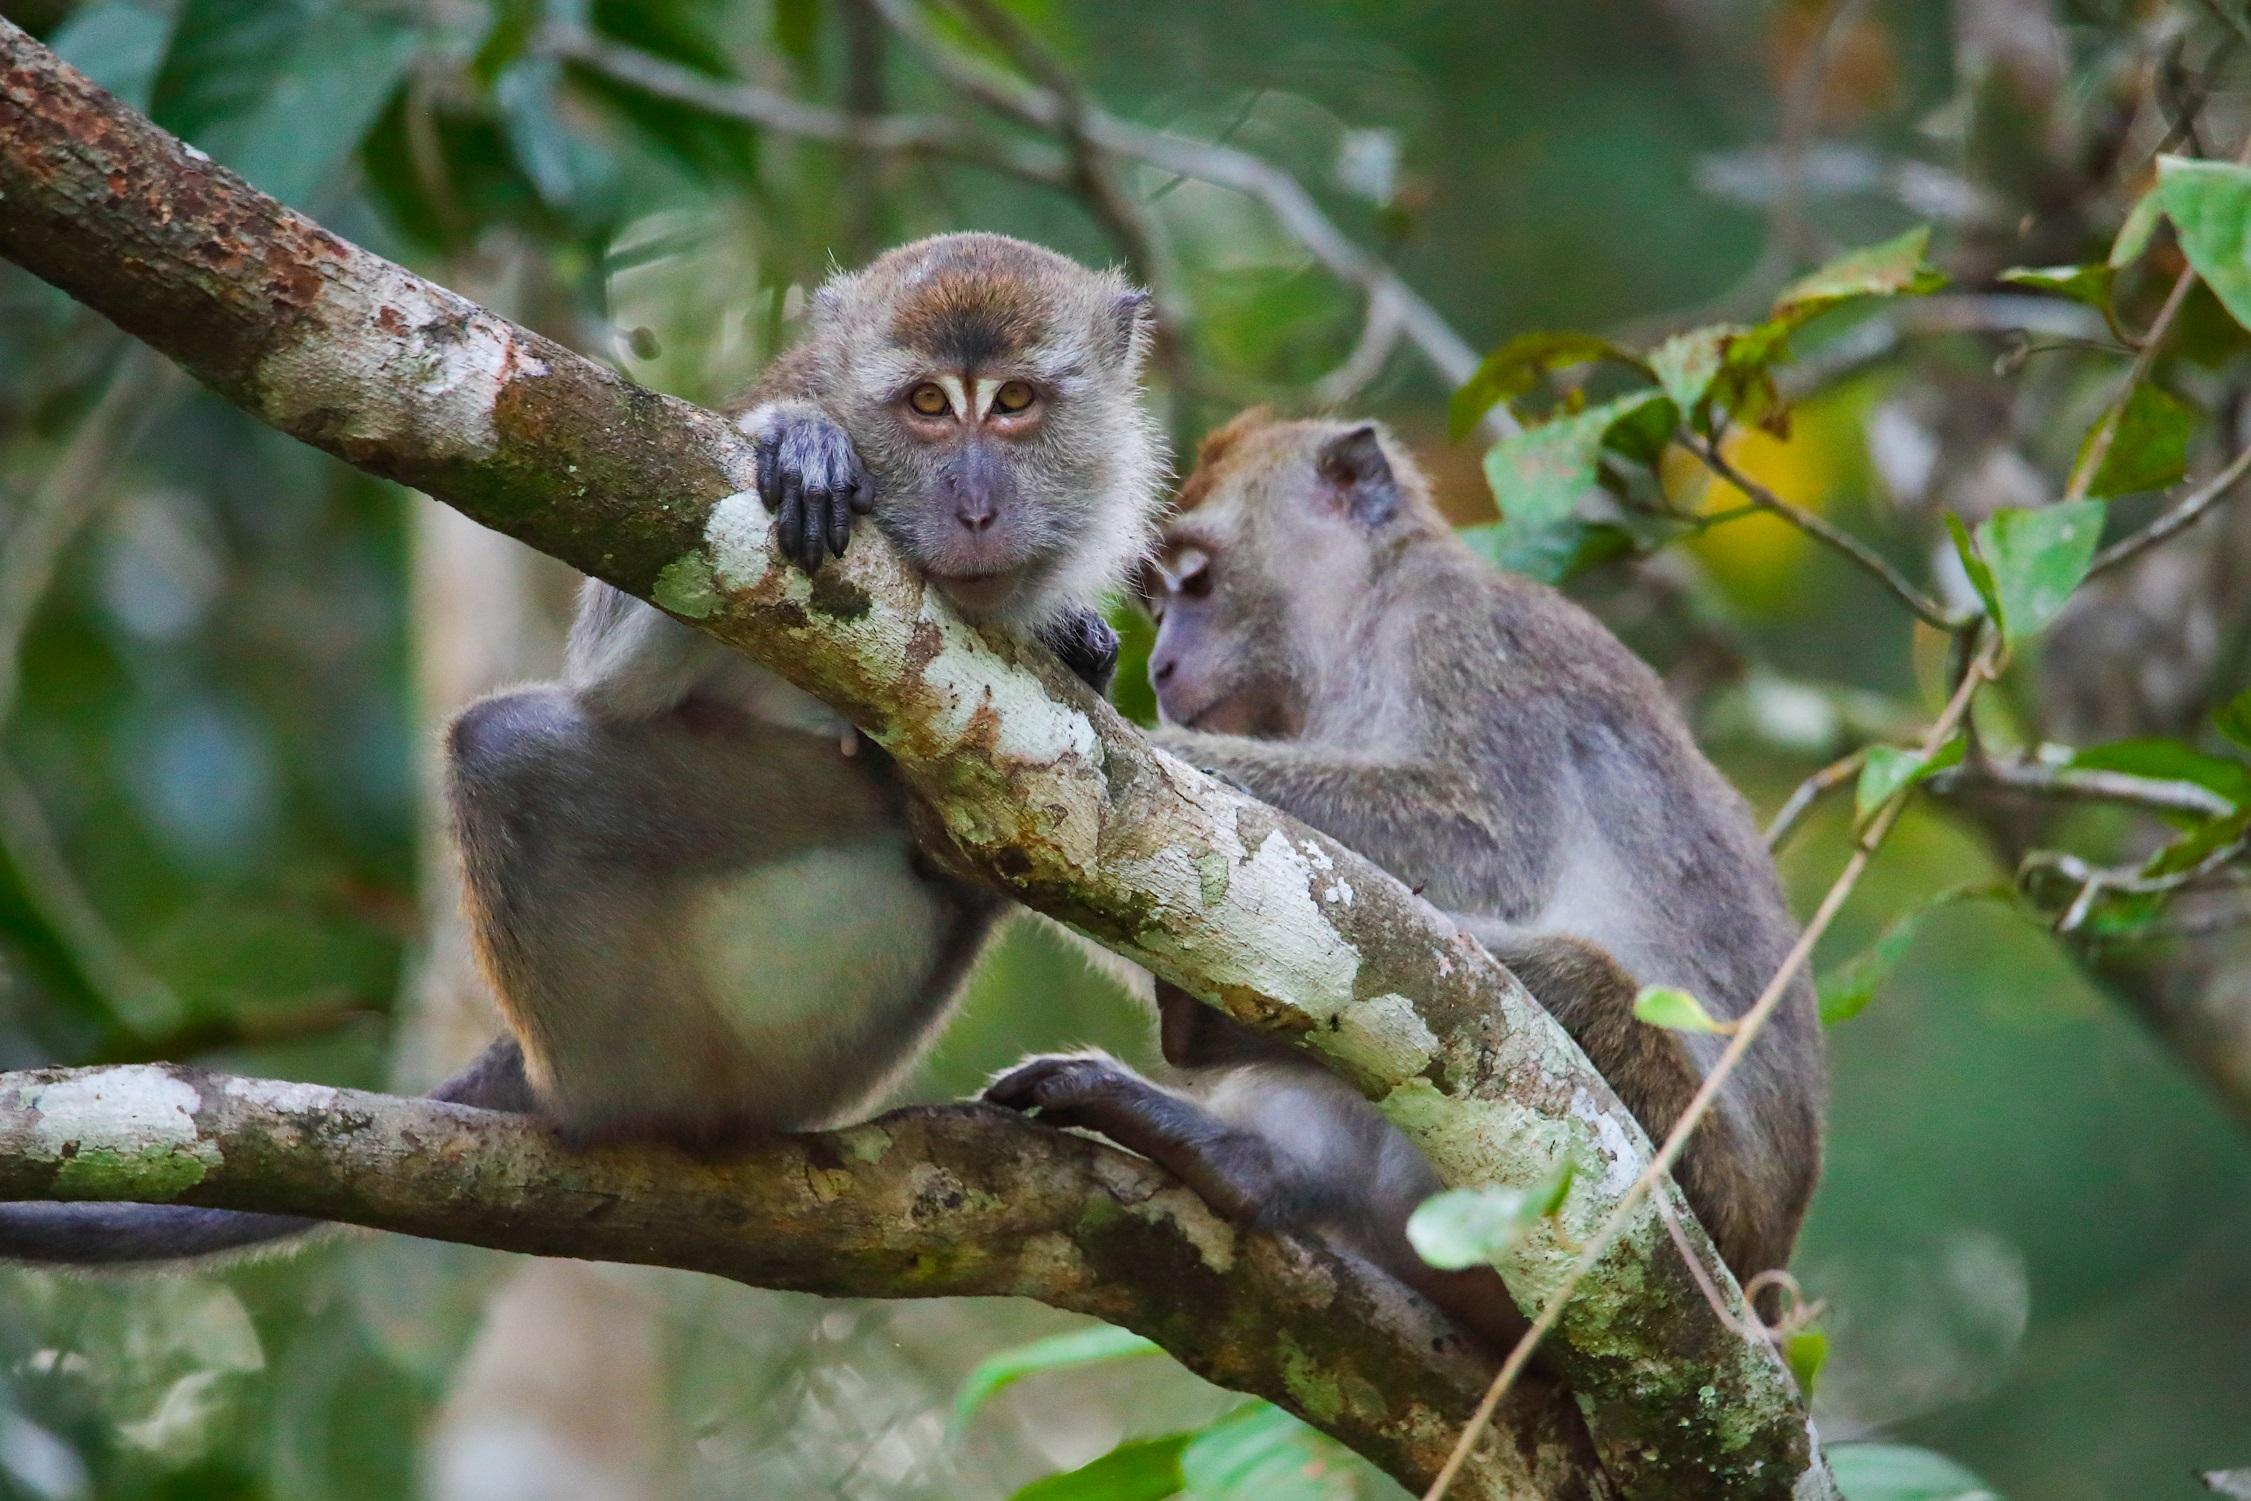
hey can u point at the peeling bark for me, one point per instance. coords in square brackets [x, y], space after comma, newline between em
[1044, 790]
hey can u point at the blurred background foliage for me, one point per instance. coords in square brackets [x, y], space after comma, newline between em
[224, 658]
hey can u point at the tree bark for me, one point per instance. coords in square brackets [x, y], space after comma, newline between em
[1044, 790]
[927, 1202]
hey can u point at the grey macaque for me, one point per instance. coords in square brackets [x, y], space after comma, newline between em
[692, 886]
[1325, 641]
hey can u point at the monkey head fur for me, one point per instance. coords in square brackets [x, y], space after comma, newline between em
[991, 389]
[1257, 656]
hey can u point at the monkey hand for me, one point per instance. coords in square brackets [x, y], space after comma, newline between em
[810, 477]
[1091, 1091]
[1087, 645]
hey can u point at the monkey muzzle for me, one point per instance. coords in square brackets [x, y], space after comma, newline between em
[981, 550]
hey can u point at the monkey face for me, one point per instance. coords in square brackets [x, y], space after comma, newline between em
[1257, 580]
[992, 390]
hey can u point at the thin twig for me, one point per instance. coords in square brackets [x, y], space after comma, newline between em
[2081, 784]
[2181, 515]
[1810, 791]
[70, 497]
[1379, 336]
[750, 104]
[1822, 529]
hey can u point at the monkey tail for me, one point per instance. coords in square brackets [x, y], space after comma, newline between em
[122, 1235]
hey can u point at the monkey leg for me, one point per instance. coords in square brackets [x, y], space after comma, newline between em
[1735, 1180]
[1281, 1145]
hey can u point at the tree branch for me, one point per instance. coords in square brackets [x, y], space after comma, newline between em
[959, 1201]
[1043, 788]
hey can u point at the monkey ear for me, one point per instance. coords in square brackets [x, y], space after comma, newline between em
[1130, 326]
[1357, 477]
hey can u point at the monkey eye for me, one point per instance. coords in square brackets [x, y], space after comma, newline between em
[1192, 575]
[929, 400]
[1013, 396]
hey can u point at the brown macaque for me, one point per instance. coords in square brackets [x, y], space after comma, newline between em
[1326, 642]
[692, 886]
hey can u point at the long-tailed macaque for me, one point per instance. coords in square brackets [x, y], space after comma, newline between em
[692, 886]
[1326, 642]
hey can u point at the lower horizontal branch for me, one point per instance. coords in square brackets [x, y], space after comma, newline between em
[926, 1202]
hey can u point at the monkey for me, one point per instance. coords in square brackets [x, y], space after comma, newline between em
[1326, 642]
[694, 891]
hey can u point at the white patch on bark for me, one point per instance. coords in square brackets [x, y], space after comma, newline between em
[737, 533]
[1625, 1155]
[1382, 1031]
[428, 373]
[134, 1110]
[282, 1096]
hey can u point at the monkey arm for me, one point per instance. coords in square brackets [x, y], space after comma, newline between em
[1418, 820]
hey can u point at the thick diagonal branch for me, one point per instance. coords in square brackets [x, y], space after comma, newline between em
[1041, 786]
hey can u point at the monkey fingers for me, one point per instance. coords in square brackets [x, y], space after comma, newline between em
[1233, 1170]
[1089, 1091]
[811, 478]
[1087, 645]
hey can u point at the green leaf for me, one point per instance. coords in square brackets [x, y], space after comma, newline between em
[2037, 558]
[1261, 1453]
[2134, 233]
[2191, 848]
[2150, 448]
[1676, 1011]
[1900, 1472]
[2089, 284]
[2210, 205]
[1146, 1470]
[1686, 364]
[1539, 475]
[1059, 1352]
[1846, 991]
[119, 45]
[1894, 268]
[2233, 719]
[1465, 1227]
[1806, 1351]
[1509, 371]
[1556, 555]
[2170, 760]
[1981, 577]
[282, 93]
[1891, 769]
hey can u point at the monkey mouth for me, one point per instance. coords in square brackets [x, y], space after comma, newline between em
[980, 593]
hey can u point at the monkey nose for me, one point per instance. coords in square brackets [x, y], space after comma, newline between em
[975, 512]
[1161, 671]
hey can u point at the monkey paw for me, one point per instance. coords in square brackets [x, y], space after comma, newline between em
[1091, 1091]
[1087, 645]
[810, 477]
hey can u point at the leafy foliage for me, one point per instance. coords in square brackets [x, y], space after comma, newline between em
[1675, 1010]
[1466, 1227]
[1898, 1472]
[1082, 1347]
[2210, 204]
